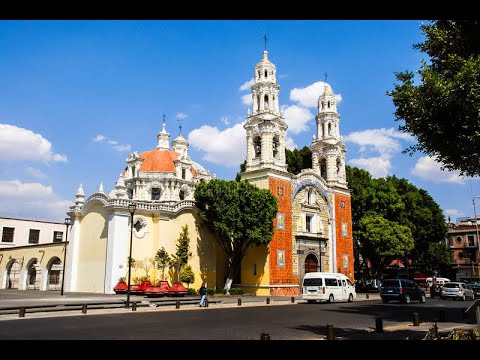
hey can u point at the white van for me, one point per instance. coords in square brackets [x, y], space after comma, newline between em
[439, 280]
[327, 286]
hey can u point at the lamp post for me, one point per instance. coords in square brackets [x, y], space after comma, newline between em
[131, 209]
[478, 239]
[68, 221]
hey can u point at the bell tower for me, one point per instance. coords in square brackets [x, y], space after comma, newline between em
[265, 126]
[328, 148]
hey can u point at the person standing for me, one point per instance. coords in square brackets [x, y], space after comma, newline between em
[203, 293]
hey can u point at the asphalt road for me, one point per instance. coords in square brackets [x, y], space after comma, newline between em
[299, 321]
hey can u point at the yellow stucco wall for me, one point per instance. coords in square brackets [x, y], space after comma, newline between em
[256, 260]
[44, 254]
[92, 250]
[164, 232]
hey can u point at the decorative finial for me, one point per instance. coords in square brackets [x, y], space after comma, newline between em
[163, 124]
[265, 39]
[179, 126]
[326, 76]
[100, 188]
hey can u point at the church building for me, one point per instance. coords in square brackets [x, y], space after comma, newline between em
[153, 200]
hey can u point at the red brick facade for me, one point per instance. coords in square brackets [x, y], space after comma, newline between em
[282, 240]
[344, 244]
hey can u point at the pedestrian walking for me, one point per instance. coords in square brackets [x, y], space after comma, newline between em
[203, 293]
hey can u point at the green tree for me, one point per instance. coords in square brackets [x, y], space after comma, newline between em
[435, 259]
[243, 166]
[239, 214]
[187, 275]
[383, 241]
[298, 159]
[163, 260]
[441, 110]
[183, 247]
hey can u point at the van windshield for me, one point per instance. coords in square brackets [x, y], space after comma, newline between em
[313, 282]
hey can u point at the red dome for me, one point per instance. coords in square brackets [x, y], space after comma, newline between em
[160, 160]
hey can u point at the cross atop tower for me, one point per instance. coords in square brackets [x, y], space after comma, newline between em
[326, 75]
[265, 39]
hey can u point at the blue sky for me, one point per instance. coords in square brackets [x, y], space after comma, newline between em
[76, 97]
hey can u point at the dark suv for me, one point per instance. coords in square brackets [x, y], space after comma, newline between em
[402, 290]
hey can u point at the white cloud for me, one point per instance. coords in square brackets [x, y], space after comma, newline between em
[246, 85]
[377, 166]
[99, 138]
[31, 200]
[113, 143]
[290, 143]
[225, 119]
[453, 212]
[247, 99]
[21, 144]
[224, 147]
[35, 172]
[428, 168]
[181, 116]
[296, 118]
[308, 96]
[381, 140]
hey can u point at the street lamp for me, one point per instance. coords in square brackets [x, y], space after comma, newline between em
[131, 209]
[68, 222]
[478, 239]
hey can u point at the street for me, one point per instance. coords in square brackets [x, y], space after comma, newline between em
[298, 321]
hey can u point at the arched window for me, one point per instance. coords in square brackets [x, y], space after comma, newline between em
[323, 105]
[155, 194]
[275, 145]
[329, 129]
[182, 195]
[257, 144]
[328, 104]
[259, 74]
[339, 166]
[258, 102]
[323, 168]
[130, 193]
[266, 107]
[266, 73]
[133, 171]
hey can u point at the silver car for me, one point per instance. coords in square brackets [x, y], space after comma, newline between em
[457, 290]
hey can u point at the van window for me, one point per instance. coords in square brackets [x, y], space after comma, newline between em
[344, 283]
[349, 282]
[313, 282]
[331, 282]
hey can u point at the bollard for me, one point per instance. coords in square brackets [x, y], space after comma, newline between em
[416, 319]
[293, 299]
[379, 325]
[84, 308]
[206, 302]
[177, 304]
[134, 306]
[367, 296]
[268, 301]
[265, 336]
[330, 332]
[239, 302]
[21, 312]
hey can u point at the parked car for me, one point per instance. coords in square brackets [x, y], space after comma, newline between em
[476, 290]
[457, 290]
[401, 290]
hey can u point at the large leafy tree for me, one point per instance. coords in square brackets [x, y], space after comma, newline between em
[298, 159]
[442, 109]
[383, 241]
[239, 214]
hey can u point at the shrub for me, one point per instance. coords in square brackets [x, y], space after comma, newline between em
[192, 291]
[210, 291]
[236, 291]
[187, 275]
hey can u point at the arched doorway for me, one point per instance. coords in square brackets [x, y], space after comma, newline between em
[54, 274]
[311, 263]
[13, 275]
[32, 275]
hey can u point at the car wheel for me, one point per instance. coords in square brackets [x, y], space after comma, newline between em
[385, 301]
[331, 299]
[463, 297]
[350, 298]
[311, 301]
[407, 299]
[422, 298]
